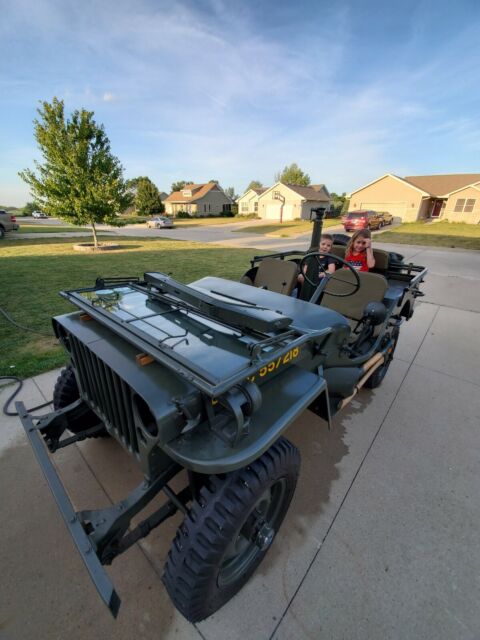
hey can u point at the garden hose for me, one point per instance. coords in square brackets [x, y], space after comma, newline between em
[12, 396]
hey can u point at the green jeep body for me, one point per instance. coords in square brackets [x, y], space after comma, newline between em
[207, 377]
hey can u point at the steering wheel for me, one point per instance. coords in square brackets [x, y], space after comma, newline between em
[320, 286]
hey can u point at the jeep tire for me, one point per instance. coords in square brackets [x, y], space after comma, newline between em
[228, 531]
[377, 376]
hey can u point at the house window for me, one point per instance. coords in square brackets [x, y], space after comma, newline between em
[464, 205]
[209, 207]
[225, 208]
[204, 208]
[244, 207]
[276, 195]
[255, 207]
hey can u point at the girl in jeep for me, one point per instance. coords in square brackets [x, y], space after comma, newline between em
[359, 252]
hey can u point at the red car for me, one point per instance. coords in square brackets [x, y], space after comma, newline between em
[362, 220]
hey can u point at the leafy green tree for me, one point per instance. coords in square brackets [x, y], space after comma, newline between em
[338, 203]
[255, 184]
[78, 180]
[147, 198]
[181, 184]
[293, 175]
[230, 192]
[30, 207]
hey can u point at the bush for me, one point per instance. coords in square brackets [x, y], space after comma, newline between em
[227, 214]
[247, 216]
[183, 214]
[123, 220]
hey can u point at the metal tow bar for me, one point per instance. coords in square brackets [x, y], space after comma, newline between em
[97, 573]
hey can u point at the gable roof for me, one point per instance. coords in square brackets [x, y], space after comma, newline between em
[389, 175]
[442, 185]
[309, 193]
[319, 187]
[259, 191]
[198, 191]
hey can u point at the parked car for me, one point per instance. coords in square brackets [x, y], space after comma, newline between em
[7, 223]
[387, 217]
[161, 222]
[355, 220]
[39, 214]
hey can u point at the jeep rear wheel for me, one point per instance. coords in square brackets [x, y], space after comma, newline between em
[65, 392]
[377, 377]
[228, 531]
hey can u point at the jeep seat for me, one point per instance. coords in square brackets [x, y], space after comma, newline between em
[276, 275]
[373, 287]
[381, 257]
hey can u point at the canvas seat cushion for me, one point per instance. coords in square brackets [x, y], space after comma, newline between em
[373, 287]
[276, 275]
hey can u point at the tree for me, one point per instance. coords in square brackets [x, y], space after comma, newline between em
[292, 175]
[79, 180]
[230, 192]
[255, 184]
[181, 184]
[339, 203]
[30, 207]
[146, 196]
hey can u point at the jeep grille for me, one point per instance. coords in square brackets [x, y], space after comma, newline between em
[108, 395]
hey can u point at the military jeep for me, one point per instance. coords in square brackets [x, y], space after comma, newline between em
[205, 379]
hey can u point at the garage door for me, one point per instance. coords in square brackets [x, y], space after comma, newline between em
[397, 209]
[272, 211]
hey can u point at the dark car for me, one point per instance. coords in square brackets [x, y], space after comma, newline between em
[7, 223]
[362, 220]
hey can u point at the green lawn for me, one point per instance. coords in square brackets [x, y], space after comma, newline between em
[440, 234]
[35, 270]
[287, 229]
[49, 228]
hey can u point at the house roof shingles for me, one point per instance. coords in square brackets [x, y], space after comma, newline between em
[198, 191]
[309, 193]
[441, 185]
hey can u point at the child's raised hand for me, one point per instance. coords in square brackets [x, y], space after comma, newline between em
[368, 243]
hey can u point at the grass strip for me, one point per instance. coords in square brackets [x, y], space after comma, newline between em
[287, 229]
[35, 270]
[456, 235]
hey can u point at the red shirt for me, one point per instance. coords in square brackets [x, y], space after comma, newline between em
[357, 260]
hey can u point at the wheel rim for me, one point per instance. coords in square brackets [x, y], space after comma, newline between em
[254, 535]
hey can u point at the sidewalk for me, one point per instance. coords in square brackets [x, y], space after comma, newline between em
[381, 540]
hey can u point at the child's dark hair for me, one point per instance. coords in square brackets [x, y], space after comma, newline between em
[326, 236]
[361, 233]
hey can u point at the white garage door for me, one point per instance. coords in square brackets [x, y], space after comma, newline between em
[272, 211]
[397, 209]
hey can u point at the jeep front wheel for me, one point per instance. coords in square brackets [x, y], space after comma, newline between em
[229, 530]
[64, 393]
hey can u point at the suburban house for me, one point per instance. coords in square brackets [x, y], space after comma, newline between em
[453, 197]
[248, 203]
[198, 200]
[287, 201]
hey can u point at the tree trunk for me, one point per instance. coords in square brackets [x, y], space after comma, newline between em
[94, 231]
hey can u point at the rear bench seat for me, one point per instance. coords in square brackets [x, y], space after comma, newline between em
[381, 258]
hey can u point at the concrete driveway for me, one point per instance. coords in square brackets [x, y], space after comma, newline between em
[381, 541]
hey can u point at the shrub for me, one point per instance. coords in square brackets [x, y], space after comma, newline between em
[183, 214]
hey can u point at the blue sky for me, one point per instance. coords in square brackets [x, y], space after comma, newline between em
[235, 90]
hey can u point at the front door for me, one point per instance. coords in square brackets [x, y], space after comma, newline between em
[436, 208]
